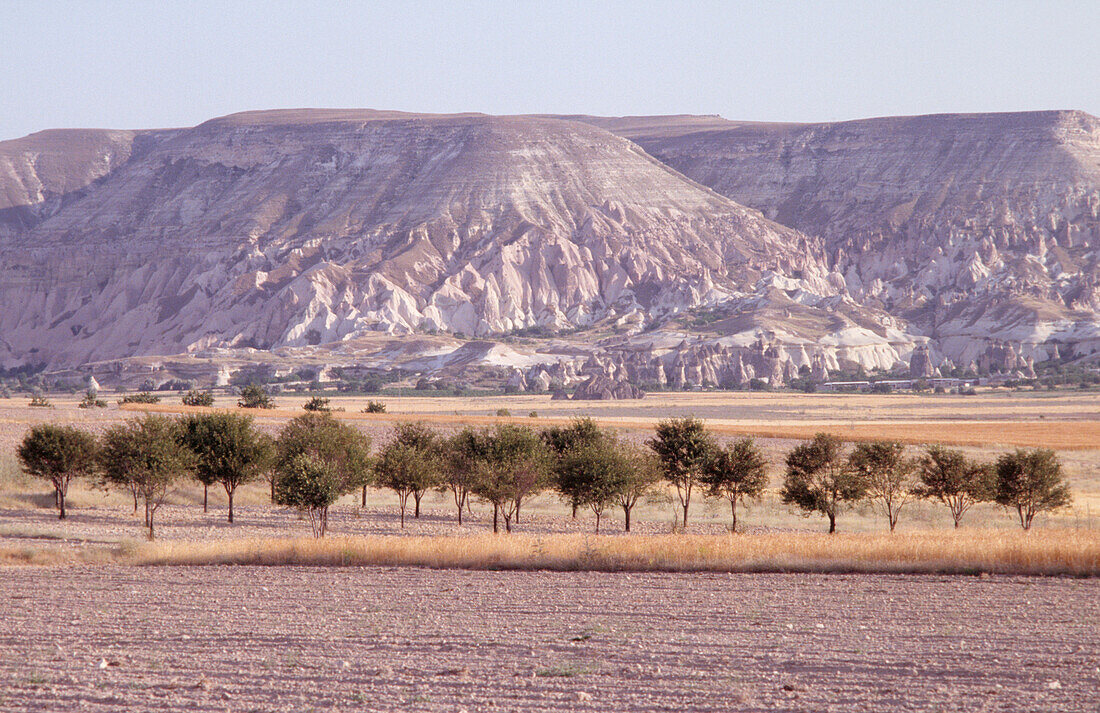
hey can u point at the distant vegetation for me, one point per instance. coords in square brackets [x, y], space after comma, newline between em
[142, 397]
[255, 396]
[197, 398]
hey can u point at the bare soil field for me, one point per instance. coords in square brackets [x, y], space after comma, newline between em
[378, 639]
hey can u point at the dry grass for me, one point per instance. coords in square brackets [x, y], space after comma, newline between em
[1049, 552]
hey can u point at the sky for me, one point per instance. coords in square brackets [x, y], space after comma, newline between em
[159, 63]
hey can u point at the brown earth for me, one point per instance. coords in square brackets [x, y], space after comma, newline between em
[380, 639]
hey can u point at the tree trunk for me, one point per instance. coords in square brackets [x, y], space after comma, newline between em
[417, 494]
[685, 515]
[364, 503]
[516, 514]
[403, 512]
[508, 523]
[496, 515]
[626, 512]
[597, 522]
[957, 518]
[204, 489]
[733, 511]
[574, 509]
[273, 489]
[149, 520]
[134, 493]
[832, 523]
[229, 493]
[60, 495]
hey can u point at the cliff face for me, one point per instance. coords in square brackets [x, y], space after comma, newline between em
[298, 228]
[972, 227]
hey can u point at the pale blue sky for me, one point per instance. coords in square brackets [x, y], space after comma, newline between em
[160, 63]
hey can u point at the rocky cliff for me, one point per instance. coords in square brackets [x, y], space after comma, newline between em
[975, 228]
[316, 227]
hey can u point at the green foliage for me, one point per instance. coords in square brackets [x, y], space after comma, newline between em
[949, 476]
[147, 457]
[198, 398]
[515, 466]
[1031, 482]
[819, 478]
[737, 472]
[503, 412]
[464, 462]
[319, 435]
[887, 475]
[593, 475]
[142, 397]
[410, 463]
[684, 447]
[317, 403]
[91, 400]
[310, 486]
[255, 396]
[375, 407]
[58, 454]
[228, 450]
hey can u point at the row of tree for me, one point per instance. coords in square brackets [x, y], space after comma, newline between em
[316, 459]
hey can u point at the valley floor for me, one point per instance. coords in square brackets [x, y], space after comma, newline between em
[387, 639]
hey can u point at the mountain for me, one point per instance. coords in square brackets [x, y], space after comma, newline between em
[976, 229]
[323, 229]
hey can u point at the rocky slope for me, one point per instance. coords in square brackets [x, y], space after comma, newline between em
[977, 229]
[316, 228]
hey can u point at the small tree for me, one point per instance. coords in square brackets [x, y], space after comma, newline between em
[887, 475]
[463, 465]
[957, 482]
[229, 450]
[58, 454]
[516, 467]
[375, 407]
[255, 396]
[310, 486]
[684, 447]
[1031, 482]
[410, 464]
[317, 403]
[819, 478]
[737, 472]
[198, 398]
[146, 456]
[327, 440]
[593, 475]
[91, 400]
[563, 440]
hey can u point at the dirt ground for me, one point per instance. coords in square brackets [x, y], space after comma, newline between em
[374, 639]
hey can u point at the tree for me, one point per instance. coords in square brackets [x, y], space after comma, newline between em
[58, 454]
[562, 440]
[957, 482]
[254, 396]
[887, 475]
[684, 447]
[91, 400]
[736, 472]
[516, 467]
[327, 440]
[375, 407]
[311, 486]
[593, 474]
[410, 464]
[198, 398]
[146, 456]
[228, 450]
[819, 478]
[1031, 482]
[465, 456]
[644, 473]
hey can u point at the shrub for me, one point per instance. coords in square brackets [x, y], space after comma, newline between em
[229, 450]
[819, 478]
[317, 403]
[310, 486]
[736, 473]
[146, 457]
[684, 446]
[533, 414]
[142, 397]
[58, 454]
[92, 400]
[957, 482]
[503, 412]
[198, 398]
[375, 407]
[40, 401]
[1031, 482]
[254, 396]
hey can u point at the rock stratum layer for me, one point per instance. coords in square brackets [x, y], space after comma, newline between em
[296, 228]
[975, 228]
